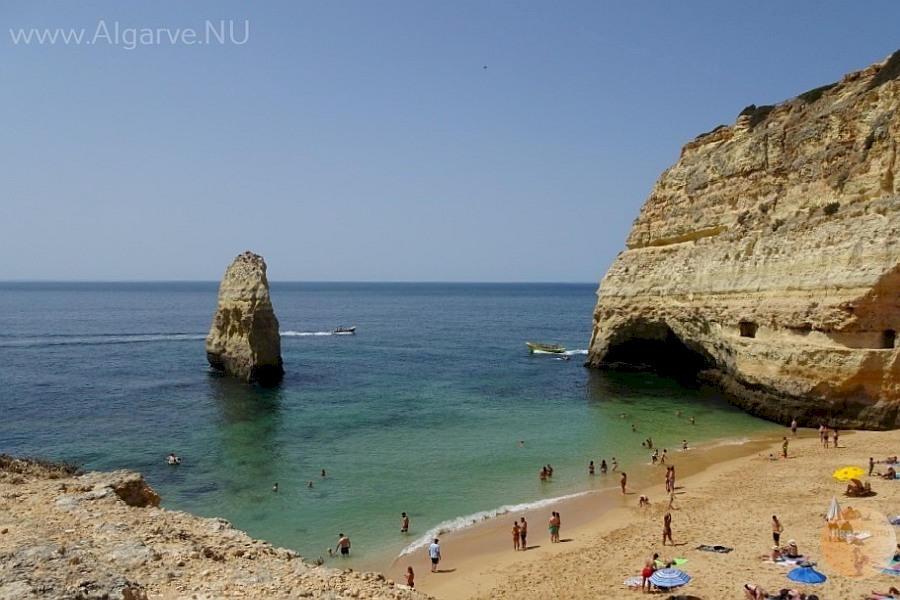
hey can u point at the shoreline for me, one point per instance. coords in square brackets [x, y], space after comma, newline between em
[720, 500]
[488, 543]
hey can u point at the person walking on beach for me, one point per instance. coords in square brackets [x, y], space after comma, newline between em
[516, 530]
[784, 447]
[623, 481]
[343, 544]
[404, 523]
[434, 552]
[835, 437]
[523, 533]
[871, 465]
[667, 529]
[794, 427]
[777, 528]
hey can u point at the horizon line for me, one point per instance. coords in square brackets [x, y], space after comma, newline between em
[399, 281]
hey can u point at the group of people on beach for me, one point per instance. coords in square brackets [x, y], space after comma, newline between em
[520, 535]
[826, 433]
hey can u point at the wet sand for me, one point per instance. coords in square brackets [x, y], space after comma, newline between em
[725, 496]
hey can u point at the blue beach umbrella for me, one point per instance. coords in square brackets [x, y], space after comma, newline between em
[806, 575]
[669, 578]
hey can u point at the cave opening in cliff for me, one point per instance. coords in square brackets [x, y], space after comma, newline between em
[655, 347]
[888, 339]
[748, 329]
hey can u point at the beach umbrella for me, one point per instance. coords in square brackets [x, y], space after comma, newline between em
[846, 473]
[669, 578]
[834, 510]
[806, 575]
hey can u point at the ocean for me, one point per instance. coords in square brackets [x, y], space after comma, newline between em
[435, 407]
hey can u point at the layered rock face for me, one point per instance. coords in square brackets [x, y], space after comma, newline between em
[244, 341]
[65, 536]
[767, 260]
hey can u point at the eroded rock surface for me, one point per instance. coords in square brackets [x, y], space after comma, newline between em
[767, 260]
[244, 340]
[65, 536]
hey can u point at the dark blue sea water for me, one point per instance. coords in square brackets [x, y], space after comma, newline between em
[421, 411]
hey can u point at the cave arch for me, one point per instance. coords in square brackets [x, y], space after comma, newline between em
[654, 346]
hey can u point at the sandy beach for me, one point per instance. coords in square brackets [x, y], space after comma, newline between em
[725, 496]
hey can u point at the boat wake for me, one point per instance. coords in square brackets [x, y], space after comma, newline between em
[479, 517]
[96, 340]
[306, 333]
[565, 353]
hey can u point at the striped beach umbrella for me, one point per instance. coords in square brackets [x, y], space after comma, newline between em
[669, 578]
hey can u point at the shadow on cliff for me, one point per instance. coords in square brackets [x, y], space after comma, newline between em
[654, 348]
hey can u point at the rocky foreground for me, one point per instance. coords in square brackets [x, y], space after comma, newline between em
[65, 535]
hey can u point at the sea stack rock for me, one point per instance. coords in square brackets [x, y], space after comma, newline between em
[767, 260]
[244, 341]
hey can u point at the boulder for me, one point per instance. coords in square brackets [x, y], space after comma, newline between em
[767, 260]
[244, 341]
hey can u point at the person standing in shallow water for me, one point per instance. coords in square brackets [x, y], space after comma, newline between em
[343, 544]
[623, 481]
[404, 523]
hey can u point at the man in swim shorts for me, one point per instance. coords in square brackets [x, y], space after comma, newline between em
[647, 572]
[343, 544]
[523, 533]
[404, 523]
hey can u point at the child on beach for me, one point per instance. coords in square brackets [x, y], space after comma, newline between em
[410, 577]
[516, 531]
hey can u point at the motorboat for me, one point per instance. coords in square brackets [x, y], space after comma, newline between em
[344, 330]
[549, 348]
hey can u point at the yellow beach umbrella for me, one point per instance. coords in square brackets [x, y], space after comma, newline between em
[848, 473]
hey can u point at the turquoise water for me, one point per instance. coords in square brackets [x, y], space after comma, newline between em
[421, 411]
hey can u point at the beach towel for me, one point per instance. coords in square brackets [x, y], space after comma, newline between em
[635, 581]
[719, 549]
[892, 568]
[676, 562]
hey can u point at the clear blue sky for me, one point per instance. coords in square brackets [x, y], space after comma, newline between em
[366, 141]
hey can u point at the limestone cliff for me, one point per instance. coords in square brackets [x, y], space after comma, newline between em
[767, 260]
[66, 536]
[244, 341]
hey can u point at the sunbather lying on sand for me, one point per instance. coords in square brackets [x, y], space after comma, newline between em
[891, 593]
[754, 592]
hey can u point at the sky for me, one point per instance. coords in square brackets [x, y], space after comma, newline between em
[455, 140]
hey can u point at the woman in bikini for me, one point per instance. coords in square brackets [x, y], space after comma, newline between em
[516, 531]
